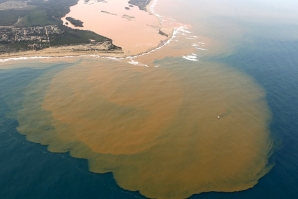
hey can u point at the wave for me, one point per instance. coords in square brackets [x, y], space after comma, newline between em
[24, 58]
[192, 57]
[201, 48]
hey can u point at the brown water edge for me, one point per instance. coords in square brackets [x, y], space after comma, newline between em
[36, 62]
[156, 129]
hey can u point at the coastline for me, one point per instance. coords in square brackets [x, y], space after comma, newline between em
[71, 51]
[86, 50]
[65, 51]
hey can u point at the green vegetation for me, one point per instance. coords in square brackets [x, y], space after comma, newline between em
[55, 9]
[140, 3]
[36, 17]
[44, 13]
[73, 36]
[163, 33]
[59, 37]
[75, 22]
[47, 12]
[10, 17]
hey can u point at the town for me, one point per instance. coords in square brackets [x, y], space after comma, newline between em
[35, 38]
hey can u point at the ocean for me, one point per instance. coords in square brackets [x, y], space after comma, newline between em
[212, 114]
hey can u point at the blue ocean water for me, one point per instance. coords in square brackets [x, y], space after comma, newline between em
[28, 170]
[273, 63]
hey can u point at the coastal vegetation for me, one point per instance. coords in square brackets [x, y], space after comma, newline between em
[140, 3]
[74, 36]
[14, 39]
[163, 33]
[75, 22]
[10, 17]
[38, 12]
[36, 17]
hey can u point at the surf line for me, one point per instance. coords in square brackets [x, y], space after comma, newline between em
[175, 31]
[162, 44]
[150, 9]
[34, 58]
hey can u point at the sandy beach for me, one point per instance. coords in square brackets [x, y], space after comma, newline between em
[65, 51]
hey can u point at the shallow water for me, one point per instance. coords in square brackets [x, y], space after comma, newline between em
[152, 120]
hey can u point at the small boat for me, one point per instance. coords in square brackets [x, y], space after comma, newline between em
[218, 117]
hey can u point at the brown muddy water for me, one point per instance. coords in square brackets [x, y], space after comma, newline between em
[153, 120]
[134, 30]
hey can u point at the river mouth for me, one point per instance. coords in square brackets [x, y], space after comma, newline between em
[134, 30]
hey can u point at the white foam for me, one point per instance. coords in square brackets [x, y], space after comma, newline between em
[136, 63]
[133, 62]
[192, 57]
[112, 58]
[201, 49]
[196, 46]
[184, 30]
[175, 32]
[23, 58]
[151, 10]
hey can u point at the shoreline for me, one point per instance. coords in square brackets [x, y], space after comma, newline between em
[67, 51]
[82, 49]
